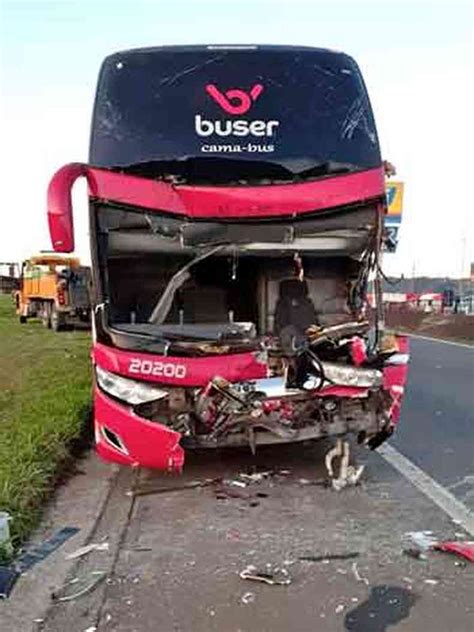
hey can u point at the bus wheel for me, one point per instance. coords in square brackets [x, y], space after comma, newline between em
[22, 320]
[57, 319]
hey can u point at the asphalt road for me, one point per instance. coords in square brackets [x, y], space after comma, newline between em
[437, 429]
[177, 556]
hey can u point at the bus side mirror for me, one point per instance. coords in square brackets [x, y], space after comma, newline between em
[60, 219]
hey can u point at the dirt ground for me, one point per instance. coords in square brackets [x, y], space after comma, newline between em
[458, 327]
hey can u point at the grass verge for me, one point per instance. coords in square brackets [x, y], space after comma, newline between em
[45, 394]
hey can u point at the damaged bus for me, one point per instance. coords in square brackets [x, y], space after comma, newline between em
[236, 199]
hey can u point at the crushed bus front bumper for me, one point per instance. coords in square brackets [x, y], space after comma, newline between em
[150, 424]
[123, 437]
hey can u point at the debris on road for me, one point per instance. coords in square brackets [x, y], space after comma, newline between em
[147, 491]
[339, 608]
[357, 575]
[349, 475]
[272, 575]
[248, 597]
[256, 477]
[431, 582]
[415, 553]
[85, 550]
[462, 549]
[329, 556]
[424, 540]
[235, 483]
[96, 577]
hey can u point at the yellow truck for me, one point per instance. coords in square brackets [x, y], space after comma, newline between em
[54, 288]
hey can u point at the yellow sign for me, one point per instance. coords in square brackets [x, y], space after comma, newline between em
[394, 192]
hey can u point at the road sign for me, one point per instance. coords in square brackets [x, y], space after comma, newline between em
[394, 192]
[393, 218]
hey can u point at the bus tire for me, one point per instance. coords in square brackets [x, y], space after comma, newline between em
[22, 320]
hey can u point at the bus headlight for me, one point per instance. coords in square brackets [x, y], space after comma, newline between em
[127, 390]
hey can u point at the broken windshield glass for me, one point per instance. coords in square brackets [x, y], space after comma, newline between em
[289, 111]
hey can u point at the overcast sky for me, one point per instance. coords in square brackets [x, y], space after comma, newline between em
[416, 57]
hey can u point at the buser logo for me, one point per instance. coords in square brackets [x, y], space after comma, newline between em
[234, 101]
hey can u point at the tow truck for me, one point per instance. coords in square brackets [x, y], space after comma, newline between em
[54, 288]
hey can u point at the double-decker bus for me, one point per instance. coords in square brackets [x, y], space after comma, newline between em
[236, 199]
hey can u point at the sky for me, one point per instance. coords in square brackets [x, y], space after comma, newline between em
[416, 57]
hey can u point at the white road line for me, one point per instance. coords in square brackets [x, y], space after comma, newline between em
[444, 342]
[433, 490]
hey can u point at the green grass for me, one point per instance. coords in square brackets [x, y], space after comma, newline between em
[45, 391]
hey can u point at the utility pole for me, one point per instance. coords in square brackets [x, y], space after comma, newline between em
[413, 272]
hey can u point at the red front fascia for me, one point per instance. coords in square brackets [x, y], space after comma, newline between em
[223, 202]
[179, 371]
[146, 443]
[203, 202]
[394, 379]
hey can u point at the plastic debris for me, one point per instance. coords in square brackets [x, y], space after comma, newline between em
[272, 575]
[84, 550]
[96, 577]
[248, 597]
[235, 483]
[357, 575]
[431, 582]
[349, 475]
[424, 540]
[339, 608]
[462, 549]
[92, 628]
[257, 477]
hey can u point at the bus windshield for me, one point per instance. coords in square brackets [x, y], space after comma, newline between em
[270, 111]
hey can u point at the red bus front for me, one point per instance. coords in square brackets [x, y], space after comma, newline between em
[236, 210]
